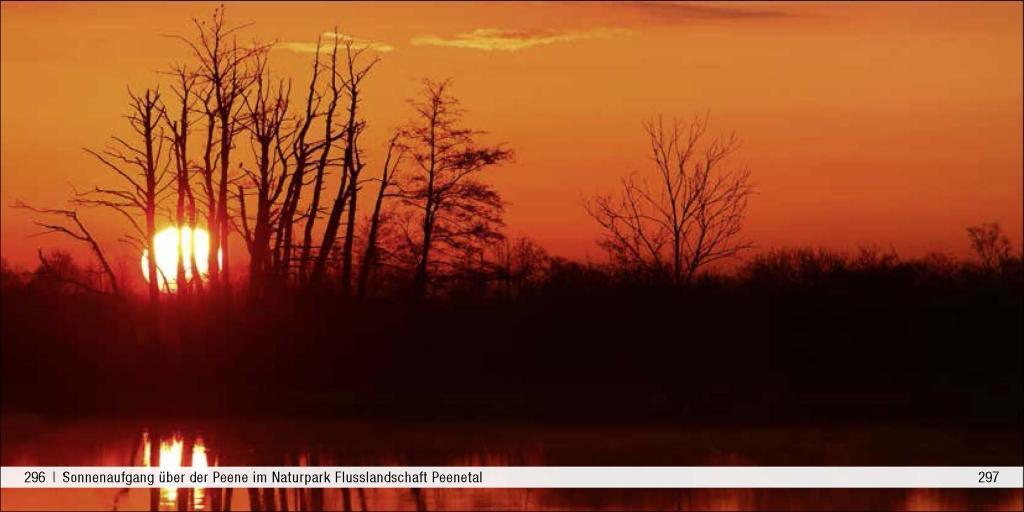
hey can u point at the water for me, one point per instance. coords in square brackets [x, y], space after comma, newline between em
[31, 441]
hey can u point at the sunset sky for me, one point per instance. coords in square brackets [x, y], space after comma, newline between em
[863, 124]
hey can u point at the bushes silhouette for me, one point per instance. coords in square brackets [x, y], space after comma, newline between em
[791, 336]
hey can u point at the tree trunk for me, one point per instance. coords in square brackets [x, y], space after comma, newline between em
[346, 255]
[370, 255]
[211, 203]
[420, 280]
[314, 207]
[223, 225]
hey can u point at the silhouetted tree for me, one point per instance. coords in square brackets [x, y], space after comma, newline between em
[207, 170]
[334, 94]
[689, 216]
[370, 254]
[298, 153]
[356, 164]
[352, 165]
[454, 208]
[990, 244]
[76, 230]
[519, 261]
[180, 127]
[226, 70]
[58, 273]
[141, 167]
[265, 113]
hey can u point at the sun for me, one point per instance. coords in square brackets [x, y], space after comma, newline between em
[165, 243]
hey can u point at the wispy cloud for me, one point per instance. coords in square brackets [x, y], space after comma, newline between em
[357, 43]
[682, 12]
[494, 39]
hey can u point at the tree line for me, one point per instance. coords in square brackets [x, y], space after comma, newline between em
[226, 145]
[229, 147]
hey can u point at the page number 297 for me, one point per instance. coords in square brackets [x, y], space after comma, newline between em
[987, 477]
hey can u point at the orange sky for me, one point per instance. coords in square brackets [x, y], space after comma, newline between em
[863, 124]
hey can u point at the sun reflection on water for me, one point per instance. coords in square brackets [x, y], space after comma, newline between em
[199, 461]
[172, 450]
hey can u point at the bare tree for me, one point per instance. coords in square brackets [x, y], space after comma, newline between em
[75, 229]
[265, 113]
[519, 262]
[990, 244]
[297, 153]
[455, 208]
[337, 86]
[207, 170]
[387, 176]
[58, 271]
[180, 127]
[225, 69]
[141, 167]
[354, 155]
[692, 212]
[351, 167]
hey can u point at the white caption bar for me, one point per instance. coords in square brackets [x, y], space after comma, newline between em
[519, 477]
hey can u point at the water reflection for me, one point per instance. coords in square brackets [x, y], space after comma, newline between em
[172, 455]
[284, 443]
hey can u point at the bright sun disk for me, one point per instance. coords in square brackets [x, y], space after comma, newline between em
[166, 246]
